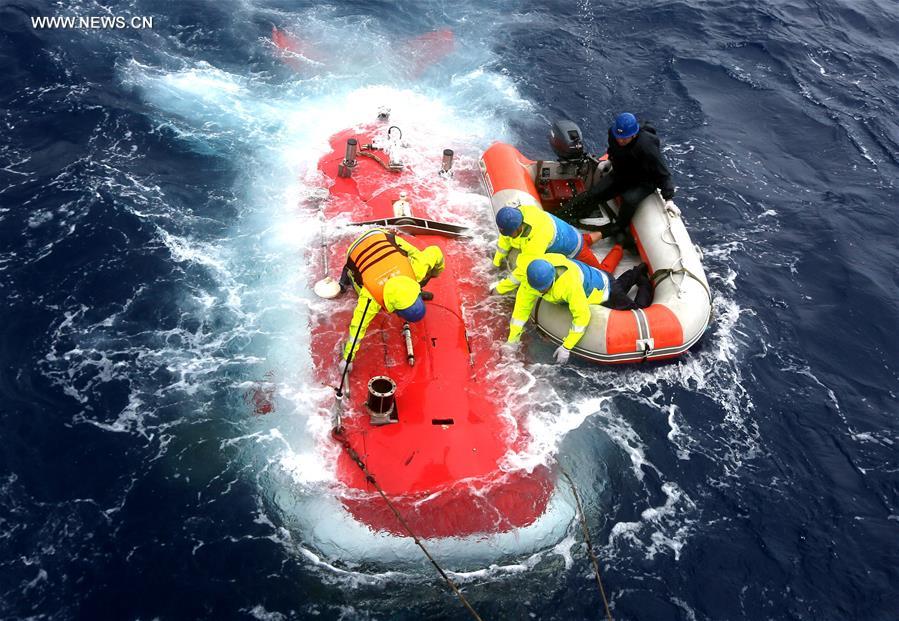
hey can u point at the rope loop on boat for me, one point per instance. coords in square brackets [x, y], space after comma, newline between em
[660, 275]
[583, 520]
[680, 255]
[357, 459]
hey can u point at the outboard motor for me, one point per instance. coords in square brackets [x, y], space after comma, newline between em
[567, 141]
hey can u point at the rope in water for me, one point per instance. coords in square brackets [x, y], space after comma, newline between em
[583, 521]
[339, 435]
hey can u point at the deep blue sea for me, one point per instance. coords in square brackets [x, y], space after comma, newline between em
[153, 272]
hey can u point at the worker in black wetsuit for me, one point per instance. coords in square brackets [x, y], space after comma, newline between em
[638, 169]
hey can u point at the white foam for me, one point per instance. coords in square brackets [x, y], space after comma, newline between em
[247, 305]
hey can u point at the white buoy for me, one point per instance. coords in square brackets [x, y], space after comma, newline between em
[327, 288]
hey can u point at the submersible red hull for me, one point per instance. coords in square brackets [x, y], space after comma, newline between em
[442, 462]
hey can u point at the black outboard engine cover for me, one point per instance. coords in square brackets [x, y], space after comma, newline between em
[566, 140]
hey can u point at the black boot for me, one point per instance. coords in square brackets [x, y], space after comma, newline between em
[627, 241]
[609, 230]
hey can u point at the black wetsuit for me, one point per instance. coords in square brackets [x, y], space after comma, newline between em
[638, 168]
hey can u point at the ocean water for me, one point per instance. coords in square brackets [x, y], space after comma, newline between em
[155, 235]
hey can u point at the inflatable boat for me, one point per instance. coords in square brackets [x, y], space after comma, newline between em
[682, 301]
[420, 421]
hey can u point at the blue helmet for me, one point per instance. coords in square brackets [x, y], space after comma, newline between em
[414, 313]
[541, 274]
[625, 126]
[508, 219]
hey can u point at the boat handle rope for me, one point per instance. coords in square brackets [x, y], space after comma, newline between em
[357, 459]
[680, 258]
[660, 275]
[583, 521]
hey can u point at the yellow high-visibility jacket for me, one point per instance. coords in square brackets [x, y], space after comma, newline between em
[538, 234]
[568, 288]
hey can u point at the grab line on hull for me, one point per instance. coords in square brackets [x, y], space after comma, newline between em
[357, 459]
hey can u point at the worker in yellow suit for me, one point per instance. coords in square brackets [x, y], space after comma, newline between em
[560, 280]
[532, 231]
[386, 271]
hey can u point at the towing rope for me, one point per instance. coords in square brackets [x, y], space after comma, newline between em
[583, 521]
[357, 459]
